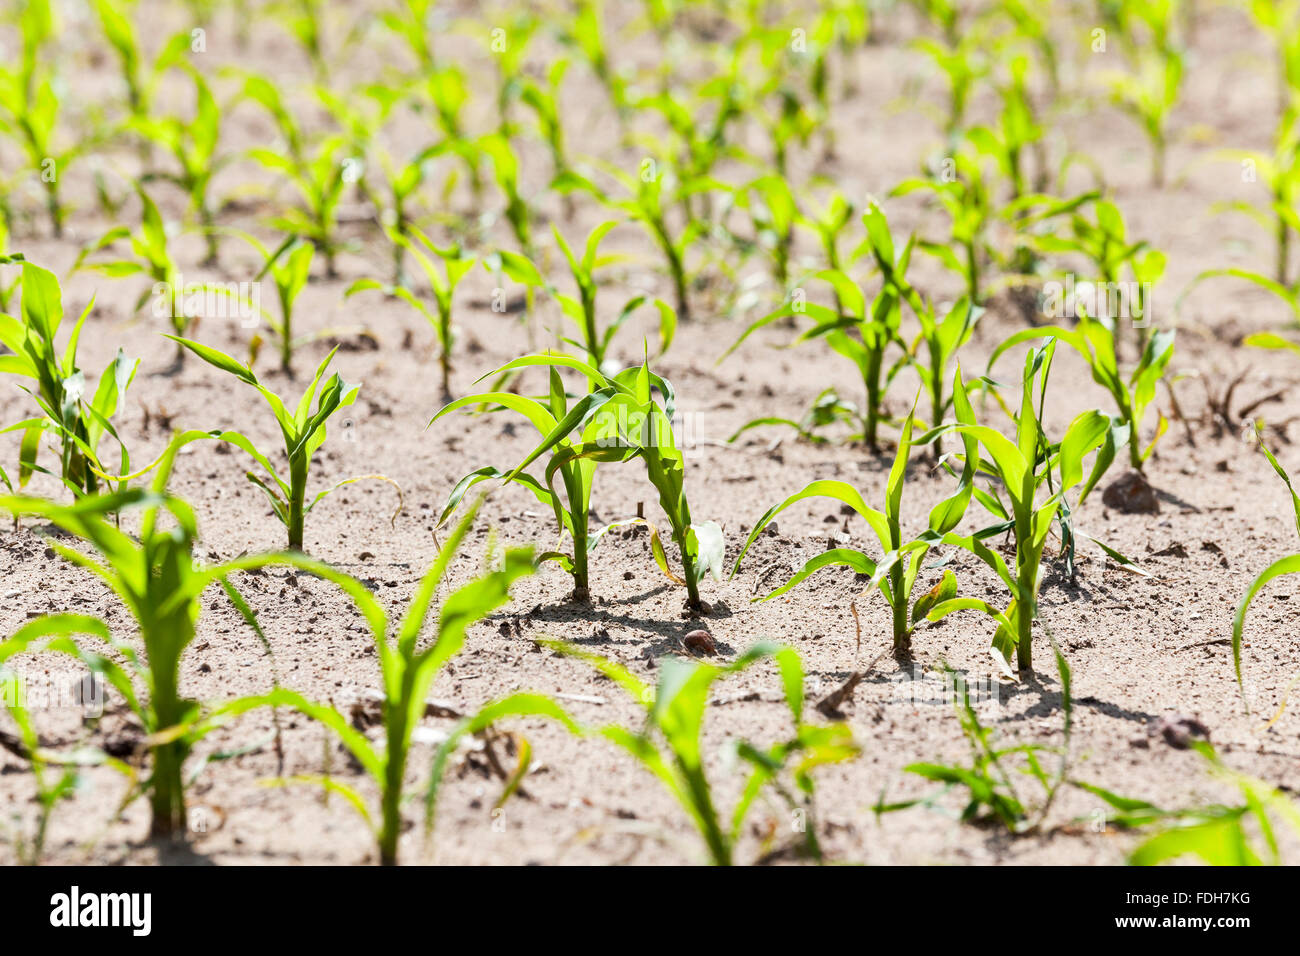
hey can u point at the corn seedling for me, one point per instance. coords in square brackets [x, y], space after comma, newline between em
[544, 101]
[962, 64]
[51, 788]
[1149, 92]
[1280, 174]
[157, 579]
[1244, 834]
[617, 420]
[669, 743]
[303, 431]
[876, 324]
[584, 32]
[1024, 467]
[1105, 243]
[192, 143]
[773, 211]
[1017, 132]
[990, 780]
[151, 258]
[442, 283]
[404, 183]
[896, 570]
[289, 267]
[1280, 567]
[29, 108]
[78, 422]
[505, 167]
[447, 91]
[408, 667]
[942, 337]
[1094, 340]
[650, 197]
[964, 196]
[319, 171]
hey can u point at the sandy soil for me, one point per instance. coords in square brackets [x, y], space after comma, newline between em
[1140, 647]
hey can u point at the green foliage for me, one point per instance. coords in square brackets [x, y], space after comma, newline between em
[76, 420]
[30, 107]
[1150, 89]
[1094, 340]
[1279, 568]
[151, 257]
[1244, 834]
[617, 420]
[289, 266]
[49, 792]
[303, 431]
[1024, 466]
[669, 743]
[317, 169]
[989, 780]
[896, 570]
[157, 579]
[442, 283]
[648, 199]
[860, 331]
[408, 665]
[192, 144]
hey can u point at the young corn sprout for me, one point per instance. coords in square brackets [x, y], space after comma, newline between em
[1280, 567]
[505, 167]
[1016, 134]
[669, 743]
[649, 197]
[404, 183]
[1149, 92]
[318, 170]
[961, 61]
[76, 421]
[1243, 834]
[617, 420]
[896, 570]
[942, 337]
[445, 91]
[1094, 339]
[773, 212]
[29, 108]
[303, 431]
[152, 259]
[1280, 174]
[581, 310]
[994, 769]
[860, 331]
[442, 283]
[573, 511]
[156, 576]
[10, 287]
[192, 143]
[583, 31]
[1104, 242]
[289, 267]
[1024, 467]
[544, 101]
[50, 788]
[408, 666]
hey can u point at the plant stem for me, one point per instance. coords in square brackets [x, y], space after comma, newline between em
[297, 493]
[902, 636]
[972, 273]
[1026, 603]
[1283, 248]
[394, 774]
[167, 791]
